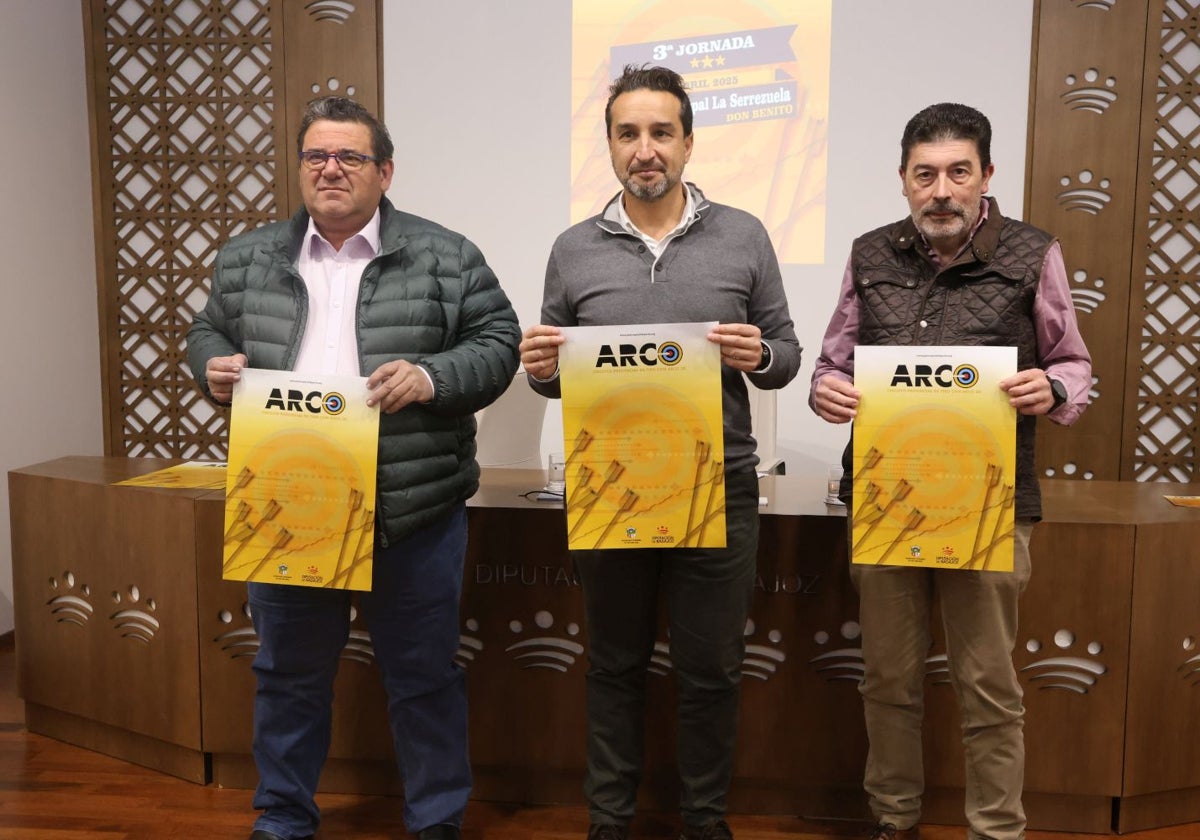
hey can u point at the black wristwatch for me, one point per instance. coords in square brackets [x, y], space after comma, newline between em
[1059, 391]
[766, 357]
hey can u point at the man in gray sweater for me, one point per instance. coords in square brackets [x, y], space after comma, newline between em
[660, 252]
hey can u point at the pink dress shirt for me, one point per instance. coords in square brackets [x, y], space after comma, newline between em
[1060, 347]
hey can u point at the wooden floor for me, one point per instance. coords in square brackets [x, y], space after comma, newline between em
[52, 791]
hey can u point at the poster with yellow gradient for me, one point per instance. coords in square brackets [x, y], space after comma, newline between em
[300, 495]
[642, 429]
[934, 457]
[757, 73]
[193, 475]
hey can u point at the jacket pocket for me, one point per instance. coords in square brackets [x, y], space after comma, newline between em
[891, 299]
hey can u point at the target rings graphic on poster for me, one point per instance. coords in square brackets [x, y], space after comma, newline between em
[646, 425]
[944, 468]
[313, 473]
[965, 376]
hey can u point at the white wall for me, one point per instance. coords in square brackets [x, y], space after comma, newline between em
[48, 322]
[477, 97]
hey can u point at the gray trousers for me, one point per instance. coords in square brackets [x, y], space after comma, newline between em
[707, 594]
[979, 614]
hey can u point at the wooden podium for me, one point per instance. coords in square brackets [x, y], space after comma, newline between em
[128, 642]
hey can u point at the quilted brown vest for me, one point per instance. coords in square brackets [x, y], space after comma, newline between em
[984, 298]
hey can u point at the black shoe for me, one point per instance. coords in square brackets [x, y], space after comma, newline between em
[607, 831]
[262, 834]
[441, 831]
[888, 831]
[717, 830]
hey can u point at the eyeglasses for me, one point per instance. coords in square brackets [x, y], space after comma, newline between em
[348, 161]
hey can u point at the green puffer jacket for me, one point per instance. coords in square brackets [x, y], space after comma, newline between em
[428, 298]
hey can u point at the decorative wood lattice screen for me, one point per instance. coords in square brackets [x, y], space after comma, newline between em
[193, 114]
[1165, 316]
[187, 156]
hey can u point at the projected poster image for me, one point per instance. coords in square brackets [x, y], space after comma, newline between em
[758, 76]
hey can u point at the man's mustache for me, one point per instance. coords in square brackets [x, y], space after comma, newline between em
[946, 207]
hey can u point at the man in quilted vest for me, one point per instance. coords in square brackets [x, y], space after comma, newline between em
[353, 286]
[955, 272]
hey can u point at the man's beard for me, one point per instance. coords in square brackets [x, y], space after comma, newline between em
[943, 228]
[650, 192]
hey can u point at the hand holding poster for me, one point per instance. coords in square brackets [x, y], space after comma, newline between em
[934, 457]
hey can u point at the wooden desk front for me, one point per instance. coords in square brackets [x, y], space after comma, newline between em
[1108, 623]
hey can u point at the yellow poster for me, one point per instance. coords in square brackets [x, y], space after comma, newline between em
[194, 475]
[300, 495]
[934, 457]
[643, 437]
[757, 73]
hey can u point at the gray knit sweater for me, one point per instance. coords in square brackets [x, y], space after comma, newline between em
[722, 267]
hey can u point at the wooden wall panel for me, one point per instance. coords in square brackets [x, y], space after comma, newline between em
[330, 48]
[1082, 186]
[1162, 728]
[1106, 652]
[1113, 170]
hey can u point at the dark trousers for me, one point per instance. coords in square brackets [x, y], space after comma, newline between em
[708, 594]
[412, 614]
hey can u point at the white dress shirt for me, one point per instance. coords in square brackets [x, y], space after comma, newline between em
[329, 344]
[657, 246]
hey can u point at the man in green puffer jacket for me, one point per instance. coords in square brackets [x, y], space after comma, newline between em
[352, 286]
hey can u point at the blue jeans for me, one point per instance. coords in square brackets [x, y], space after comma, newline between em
[412, 615]
[708, 593]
